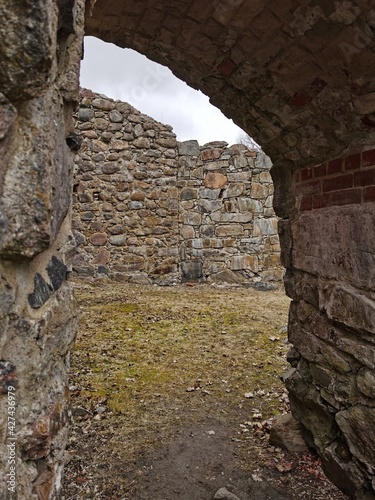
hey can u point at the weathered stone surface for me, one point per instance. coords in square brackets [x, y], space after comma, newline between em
[215, 180]
[224, 494]
[286, 433]
[102, 257]
[355, 424]
[188, 148]
[340, 234]
[351, 308]
[118, 240]
[192, 270]
[265, 226]
[8, 376]
[8, 114]
[366, 382]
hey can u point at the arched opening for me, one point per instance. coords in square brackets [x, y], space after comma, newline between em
[300, 79]
[296, 78]
[152, 207]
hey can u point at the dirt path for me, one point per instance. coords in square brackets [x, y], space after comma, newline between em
[174, 391]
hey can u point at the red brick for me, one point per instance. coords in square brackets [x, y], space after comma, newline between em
[306, 174]
[335, 166]
[338, 183]
[365, 177]
[369, 194]
[349, 197]
[320, 170]
[368, 157]
[352, 162]
[320, 201]
[309, 188]
[306, 203]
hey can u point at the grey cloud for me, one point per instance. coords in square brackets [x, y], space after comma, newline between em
[153, 89]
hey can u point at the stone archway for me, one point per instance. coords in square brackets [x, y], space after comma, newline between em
[297, 76]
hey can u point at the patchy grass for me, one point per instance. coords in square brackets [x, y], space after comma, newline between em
[142, 346]
[159, 358]
[157, 372]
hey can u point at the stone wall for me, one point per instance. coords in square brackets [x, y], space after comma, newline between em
[150, 209]
[40, 52]
[332, 316]
[298, 78]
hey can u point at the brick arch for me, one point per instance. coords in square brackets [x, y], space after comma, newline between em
[299, 78]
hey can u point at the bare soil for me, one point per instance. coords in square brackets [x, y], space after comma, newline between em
[174, 390]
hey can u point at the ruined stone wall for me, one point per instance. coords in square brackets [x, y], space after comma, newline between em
[150, 209]
[228, 228]
[40, 52]
[332, 317]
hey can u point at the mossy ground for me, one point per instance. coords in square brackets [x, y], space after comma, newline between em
[151, 360]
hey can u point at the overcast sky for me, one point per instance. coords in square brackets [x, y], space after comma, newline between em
[128, 76]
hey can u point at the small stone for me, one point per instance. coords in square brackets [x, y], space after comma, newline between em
[118, 241]
[41, 294]
[110, 168]
[135, 205]
[103, 104]
[215, 180]
[7, 376]
[115, 116]
[102, 257]
[98, 239]
[286, 433]
[85, 114]
[224, 494]
[57, 272]
[188, 148]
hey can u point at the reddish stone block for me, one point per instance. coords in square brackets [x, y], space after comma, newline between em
[338, 183]
[306, 174]
[334, 166]
[352, 162]
[310, 188]
[349, 197]
[319, 201]
[369, 194]
[300, 99]
[365, 177]
[368, 157]
[320, 171]
[98, 239]
[226, 67]
[306, 203]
